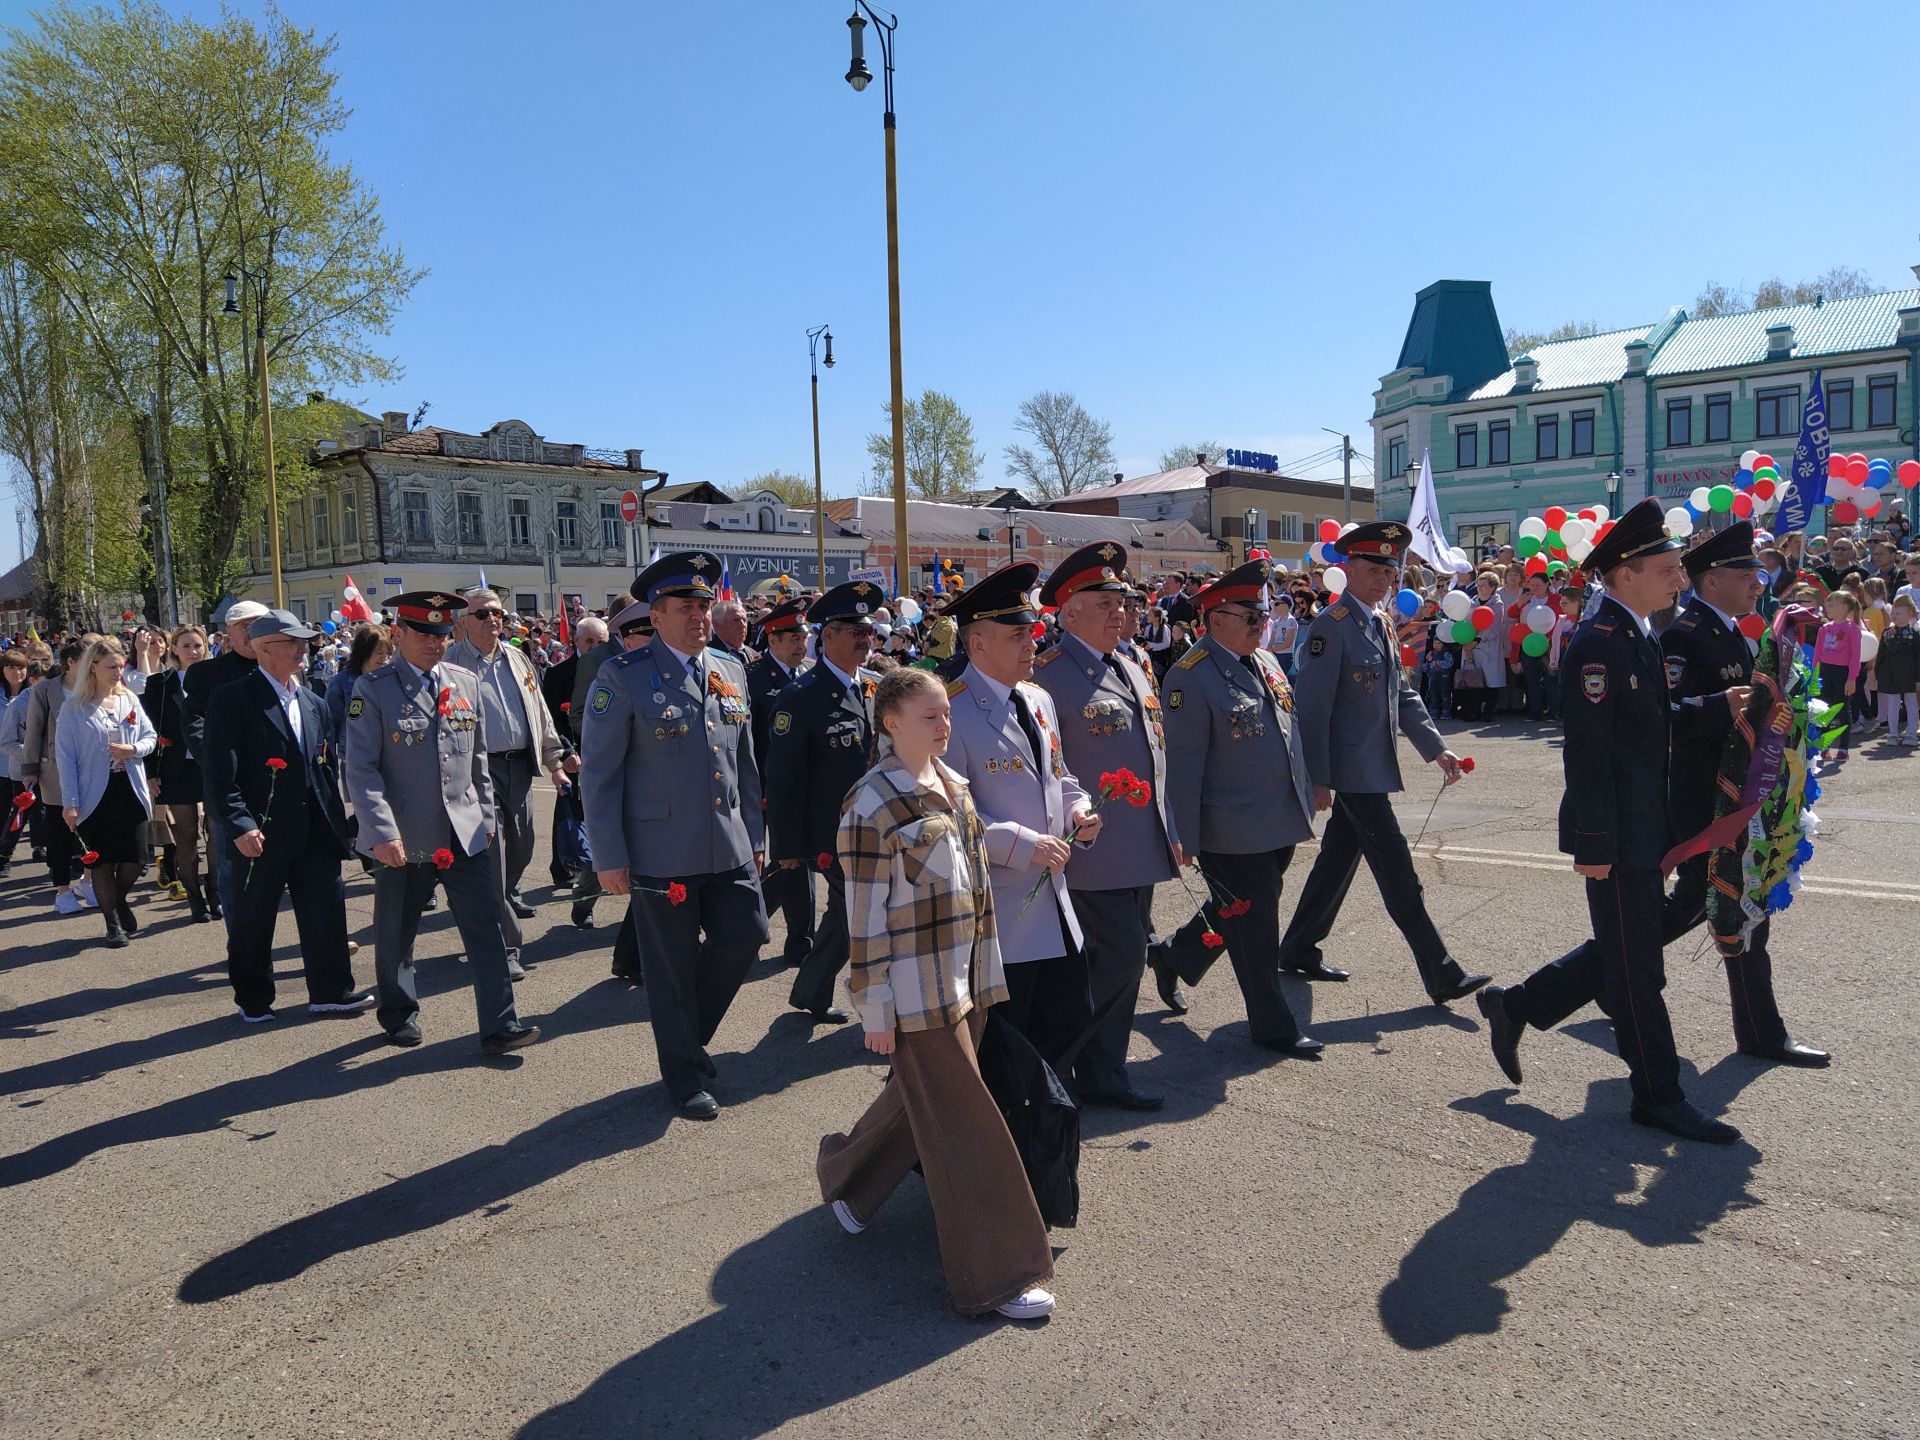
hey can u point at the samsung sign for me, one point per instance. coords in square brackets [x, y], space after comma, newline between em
[1254, 460]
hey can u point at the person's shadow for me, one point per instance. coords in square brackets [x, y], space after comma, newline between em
[810, 1318]
[1583, 1168]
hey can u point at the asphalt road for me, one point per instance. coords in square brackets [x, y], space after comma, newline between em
[294, 1230]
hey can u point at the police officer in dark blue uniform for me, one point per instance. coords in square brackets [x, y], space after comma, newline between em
[821, 740]
[1614, 823]
[784, 659]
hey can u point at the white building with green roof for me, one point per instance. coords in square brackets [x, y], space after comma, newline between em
[1652, 410]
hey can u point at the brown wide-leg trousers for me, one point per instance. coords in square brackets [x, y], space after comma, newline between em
[937, 1109]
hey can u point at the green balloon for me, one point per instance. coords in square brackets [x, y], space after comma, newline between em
[1534, 645]
[1720, 498]
[1766, 472]
[1556, 567]
[1462, 631]
[1528, 547]
[1554, 541]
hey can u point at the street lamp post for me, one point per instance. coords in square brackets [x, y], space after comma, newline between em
[859, 77]
[1007, 505]
[232, 307]
[819, 499]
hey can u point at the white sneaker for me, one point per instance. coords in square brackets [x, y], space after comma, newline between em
[84, 889]
[66, 902]
[845, 1217]
[1035, 1304]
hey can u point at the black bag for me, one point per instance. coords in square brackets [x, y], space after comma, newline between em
[1042, 1116]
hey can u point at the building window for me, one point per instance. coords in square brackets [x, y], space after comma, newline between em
[350, 516]
[1466, 448]
[1719, 419]
[416, 518]
[1396, 457]
[1679, 422]
[610, 524]
[322, 523]
[473, 529]
[1546, 438]
[525, 602]
[519, 520]
[1499, 442]
[1582, 436]
[1019, 541]
[1880, 396]
[1777, 413]
[566, 522]
[1291, 531]
[1840, 405]
[1482, 542]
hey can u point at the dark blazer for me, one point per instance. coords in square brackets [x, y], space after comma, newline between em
[1615, 709]
[1703, 658]
[556, 687]
[820, 741]
[201, 681]
[172, 767]
[245, 728]
[765, 680]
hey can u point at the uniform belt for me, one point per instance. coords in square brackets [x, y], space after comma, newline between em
[507, 754]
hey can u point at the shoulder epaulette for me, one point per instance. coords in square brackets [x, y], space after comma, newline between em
[1029, 684]
[1686, 621]
[1192, 658]
[1047, 659]
[1605, 627]
[1337, 612]
[955, 687]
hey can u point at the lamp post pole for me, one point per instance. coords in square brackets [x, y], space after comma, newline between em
[859, 77]
[1009, 509]
[819, 498]
[266, 421]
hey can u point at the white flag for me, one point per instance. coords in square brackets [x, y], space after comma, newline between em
[1429, 537]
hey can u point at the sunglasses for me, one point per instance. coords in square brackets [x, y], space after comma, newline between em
[488, 614]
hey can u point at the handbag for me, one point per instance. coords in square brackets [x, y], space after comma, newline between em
[570, 848]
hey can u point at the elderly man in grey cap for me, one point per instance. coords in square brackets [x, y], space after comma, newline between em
[234, 662]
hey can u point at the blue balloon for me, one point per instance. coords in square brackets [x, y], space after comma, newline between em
[327, 627]
[1742, 478]
[1879, 472]
[1334, 557]
[1407, 602]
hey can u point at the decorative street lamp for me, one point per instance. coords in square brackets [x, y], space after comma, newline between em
[1007, 505]
[819, 502]
[859, 77]
[232, 307]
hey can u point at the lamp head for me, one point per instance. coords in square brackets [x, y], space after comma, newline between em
[829, 338]
[232, 307]
[858, 76]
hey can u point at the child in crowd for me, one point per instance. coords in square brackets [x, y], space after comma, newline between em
[1439, 663]
[1836, 653]
[1896, 671]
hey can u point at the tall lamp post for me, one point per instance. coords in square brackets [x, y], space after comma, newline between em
[232, 307]
[819, 499]
[859, 77]
[1008, 507]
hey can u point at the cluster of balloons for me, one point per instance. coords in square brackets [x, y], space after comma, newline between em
[1326, 550]
[1854, 484]
[1549, 543]
[1468, 619]
[1756, 489]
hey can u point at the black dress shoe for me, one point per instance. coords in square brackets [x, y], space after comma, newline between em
[582, 913]
[513, 1037]
[1128, 1099]
[1319, 970]
[832, 1015]
[700, 1106]
[629, 975]
[406, 1036]
[1301, 1047]
[1503, 1030]
[561, 880]
[1790, 1052]
[1680, 1118]
[1165, 981]
[433, 901]
[1459, 989]
[520, 907]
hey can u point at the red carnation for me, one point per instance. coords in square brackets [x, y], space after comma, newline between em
[443, 859]
[1212, 940]
[91, 858]
[164, 742]
[676, 894]
[1235, 909]
[24, 800]
[824, 859]
[446, 696]
[1466, 764]
[566, 705]
[276, 763]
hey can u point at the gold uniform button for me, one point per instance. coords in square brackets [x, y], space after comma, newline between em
[716, 799]
[717, 775]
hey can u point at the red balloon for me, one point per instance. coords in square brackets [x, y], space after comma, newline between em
[1837, 467]
[1909, 473]
[1605, 530]
[1764, 462]
[1764, 489]
[1589, 515]
[1857, 471]
[1555, 517]
[1845, 513]
[1536, 566]
[1329, 530]
[1743, 505]
[1483, 617]
[1752, 626]
[1406, 657]
[1872, 510]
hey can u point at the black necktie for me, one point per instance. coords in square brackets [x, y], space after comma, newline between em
[1032, 731]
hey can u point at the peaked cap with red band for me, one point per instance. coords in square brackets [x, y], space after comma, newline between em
[1101, 566]
[429, 611]
[1243, 585]
[787, 615]
[1383, 541]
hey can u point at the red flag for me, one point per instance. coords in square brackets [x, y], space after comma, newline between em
[563, 630]
[352, 605]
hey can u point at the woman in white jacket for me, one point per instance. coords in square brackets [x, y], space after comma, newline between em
[103, 735]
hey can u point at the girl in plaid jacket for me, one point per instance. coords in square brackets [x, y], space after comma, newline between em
[925, 968]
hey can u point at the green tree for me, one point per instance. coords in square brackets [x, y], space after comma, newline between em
[1519, 342]
[791, 488]
[1071, 449]
[142, 159]
[942, 459]
[1183, 455]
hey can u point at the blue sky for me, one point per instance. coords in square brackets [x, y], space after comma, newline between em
[1206, 222]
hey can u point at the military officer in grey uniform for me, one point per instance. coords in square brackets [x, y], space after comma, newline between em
[820, 741]
[672, 799]
[1006, 741]
[416, 771]
[1240, 798]
[1109, 721]
[1354, 703]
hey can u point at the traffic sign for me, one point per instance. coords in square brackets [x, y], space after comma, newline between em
[629, 506]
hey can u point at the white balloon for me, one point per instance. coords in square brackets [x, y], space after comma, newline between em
[1869, 645]
[1747, 457]
[910, 610]
[1700, 499]
[351, 592]
[1533, 528]
[1573, 532]
[1350, 525]
[1679, 523]
[1578, 553]
[1335, 580]
[1538, 617]
[1456, 605]
[1600, 513]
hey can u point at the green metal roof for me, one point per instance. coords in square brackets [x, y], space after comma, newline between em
[1838, 327]
[1571, 364]
[1455, 331]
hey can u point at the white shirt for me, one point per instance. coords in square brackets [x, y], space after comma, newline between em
[841, 675]
[289, 698]
[692, 663]
[1003, 693]
[1725, 618]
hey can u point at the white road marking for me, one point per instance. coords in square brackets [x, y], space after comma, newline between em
[1894, 890]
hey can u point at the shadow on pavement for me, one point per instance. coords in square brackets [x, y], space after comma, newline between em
[1584, 1168]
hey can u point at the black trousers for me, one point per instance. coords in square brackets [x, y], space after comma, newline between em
[1623, 969]
[827, 957]
[1252, 937]
[1364, 825]
[1049, 1002]
[9, 833]
[63, 848]
[473, 897]
[288, 867]
[791, 893]
[1118, 925]
[512, 774]
[694, 956]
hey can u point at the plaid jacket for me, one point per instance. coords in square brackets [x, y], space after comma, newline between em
[924, 947]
